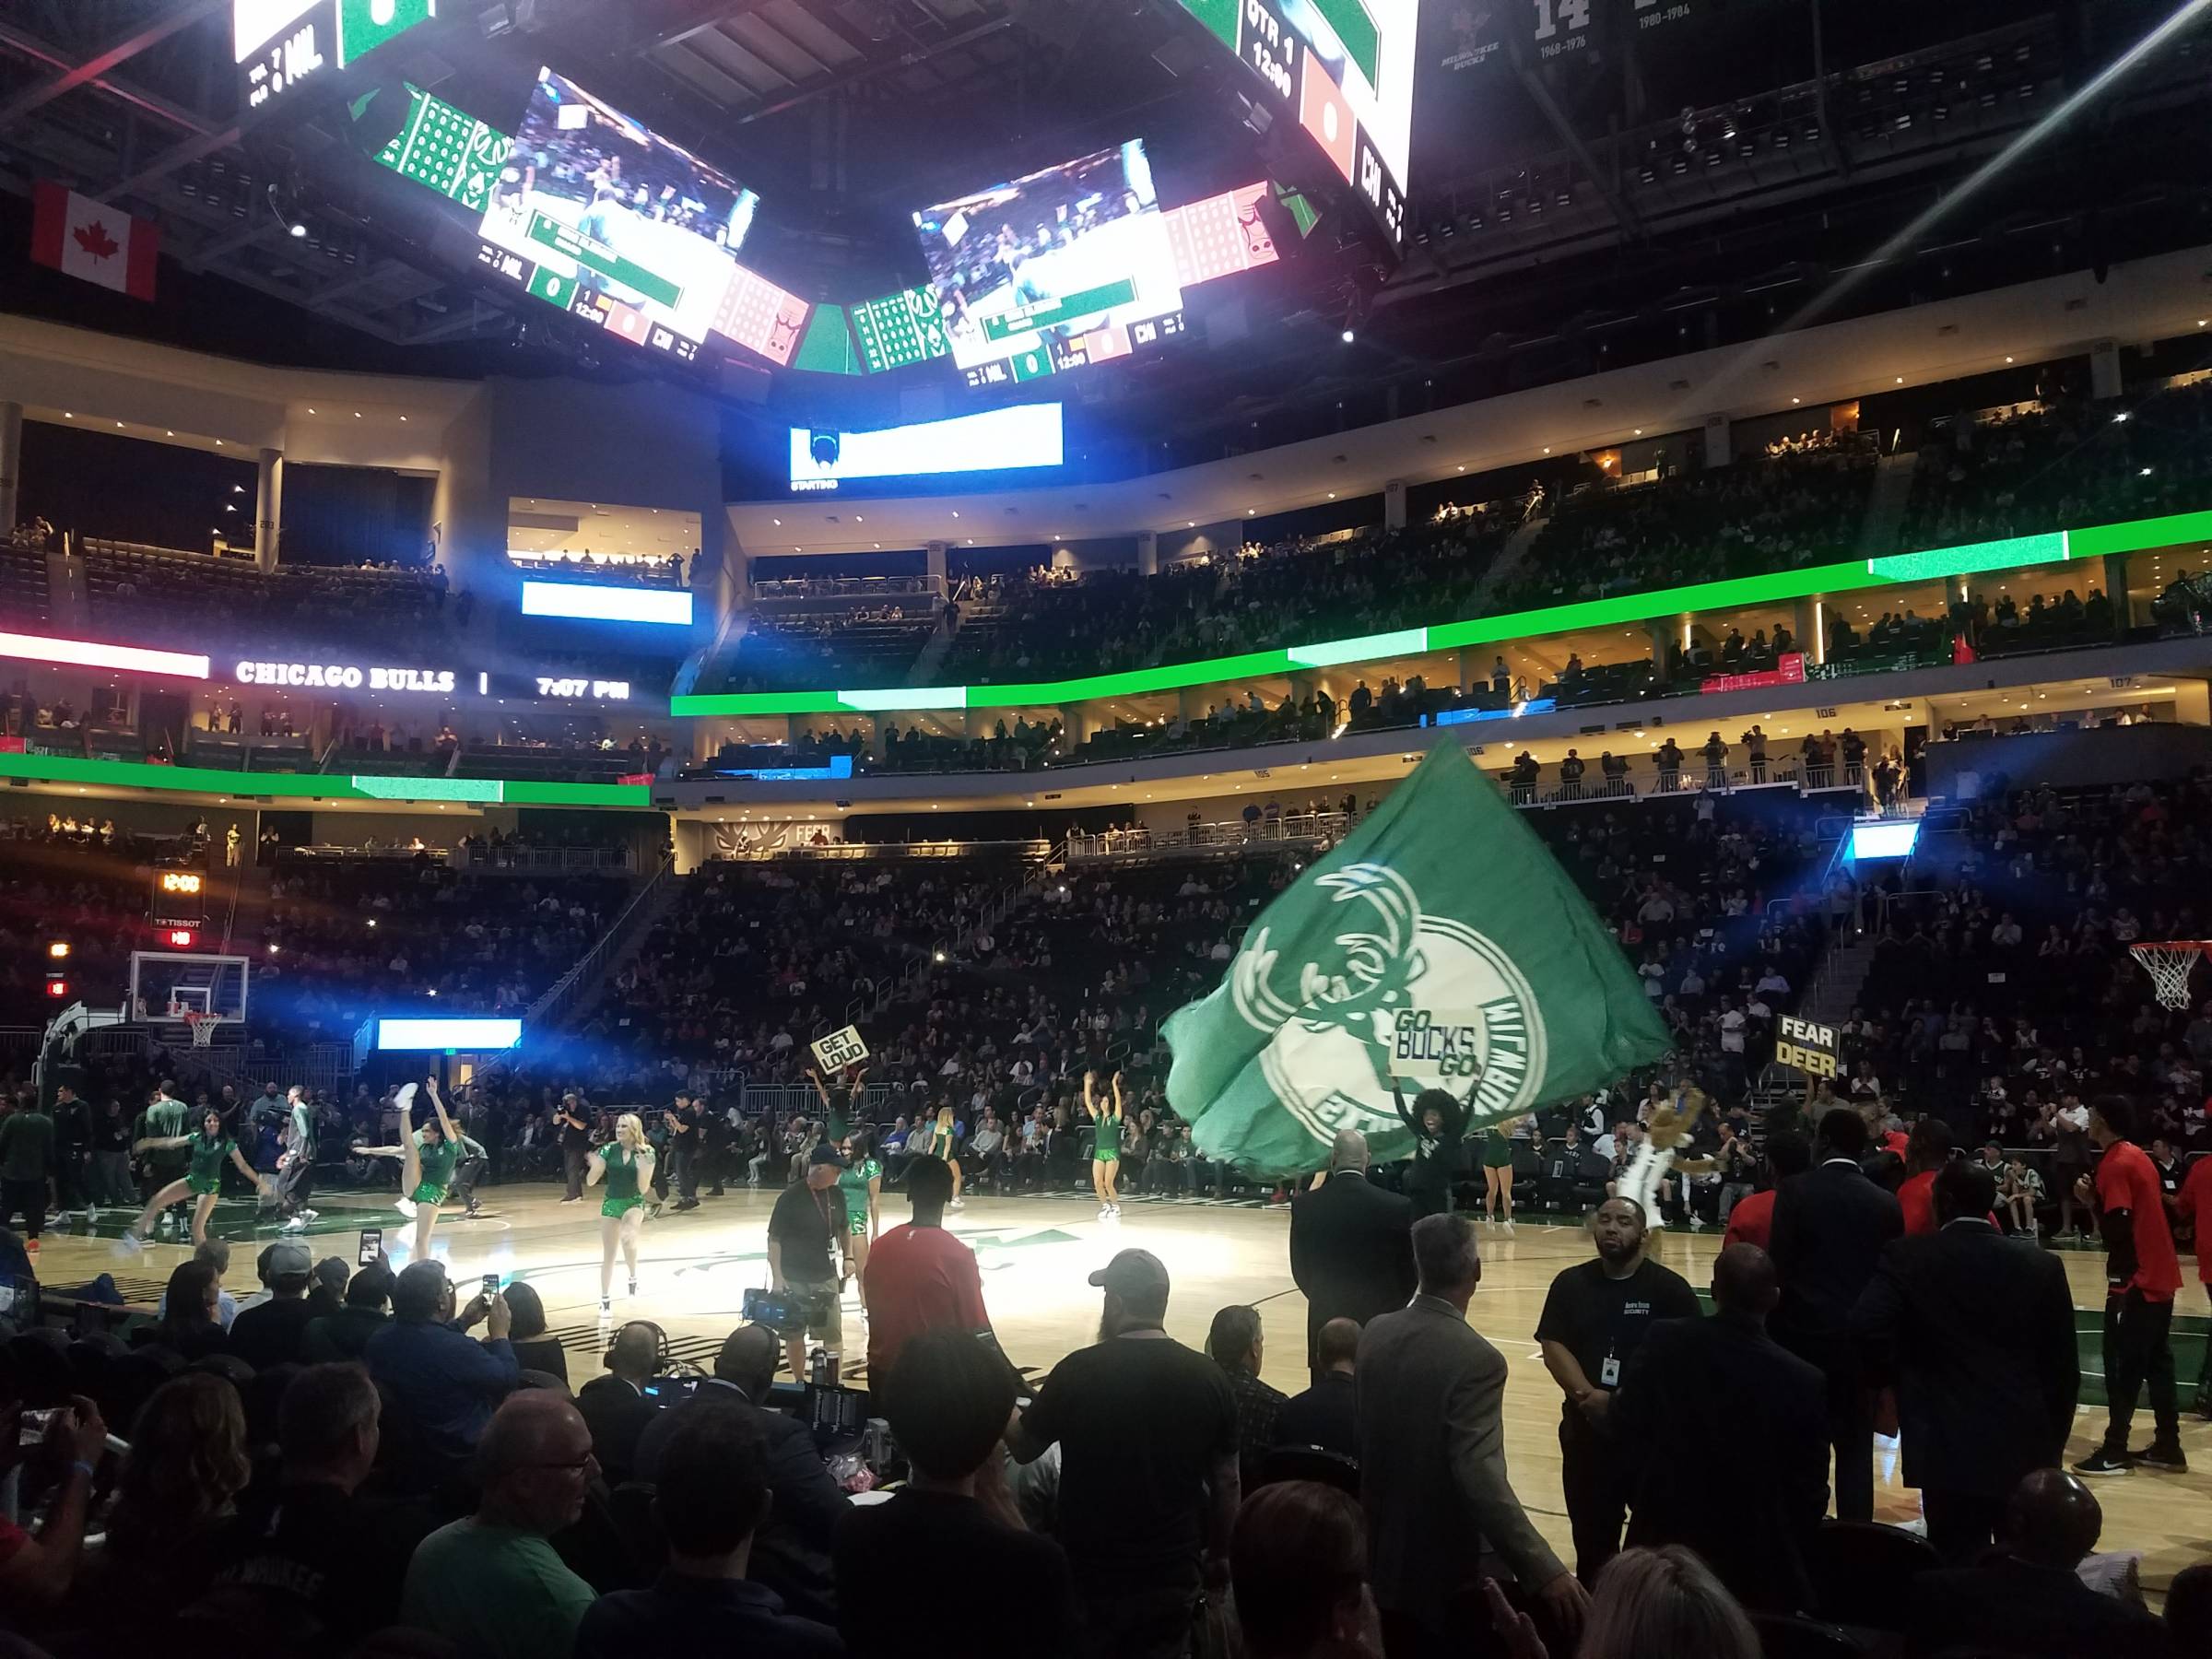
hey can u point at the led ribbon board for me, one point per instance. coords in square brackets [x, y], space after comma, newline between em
[668, 606]
[2010, 554]
[409, 1035]
[995, 440]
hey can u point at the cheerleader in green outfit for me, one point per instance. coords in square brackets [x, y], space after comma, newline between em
[862, 1179]
[1498, 1172]
[426, 1157]
[209, 1149]
[1105, 1146]
[626, 1165]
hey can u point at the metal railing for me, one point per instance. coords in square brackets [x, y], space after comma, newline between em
[566, 861]
[1289, 828]
[1693, 777]
[860, 850]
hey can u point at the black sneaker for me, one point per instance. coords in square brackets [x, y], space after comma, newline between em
[2166, 1459]
[2101, 1462]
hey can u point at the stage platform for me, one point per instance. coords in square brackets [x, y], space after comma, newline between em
[1035, 1253]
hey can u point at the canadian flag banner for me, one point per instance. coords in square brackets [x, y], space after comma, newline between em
[90, 240]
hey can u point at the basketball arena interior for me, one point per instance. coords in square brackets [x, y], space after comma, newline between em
[1534, 783]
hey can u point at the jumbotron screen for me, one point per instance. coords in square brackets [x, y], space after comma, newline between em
[1046, 273]
[1345, 68]
[616, 224]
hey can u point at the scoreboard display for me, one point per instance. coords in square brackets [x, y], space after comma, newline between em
[447, 150]
[1344, 70]
[279, 45]
[899, 329]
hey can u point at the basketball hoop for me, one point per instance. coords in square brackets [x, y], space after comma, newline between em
[200, 1028]
[2168, 965]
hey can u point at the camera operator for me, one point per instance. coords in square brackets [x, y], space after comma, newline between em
[807, 1225]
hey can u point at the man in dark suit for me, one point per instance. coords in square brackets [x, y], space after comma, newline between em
[1830, 1225]
[1757, 1415]
[1326, 1415]
[615, 1406]
[792, 1550]
[1350, 1244]
[2029, 1599]
[1441, 1512]
[1977, 1332]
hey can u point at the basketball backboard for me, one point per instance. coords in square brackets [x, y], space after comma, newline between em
[167, 985]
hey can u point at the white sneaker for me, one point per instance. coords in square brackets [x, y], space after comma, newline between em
[130, 1244]
[1697, 1224]
[1105, 1210]
[308, 1215]
[958, 1203]
[605, 1307]
[406, 1206]
[297, 1224]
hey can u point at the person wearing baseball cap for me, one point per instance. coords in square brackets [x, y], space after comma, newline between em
[271, 1333]
[807, 1226]
[1148, 1488]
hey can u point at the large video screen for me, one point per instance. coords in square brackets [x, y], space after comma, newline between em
[1046, 273]
[995, 441]
[615, 223]
[1345, 68]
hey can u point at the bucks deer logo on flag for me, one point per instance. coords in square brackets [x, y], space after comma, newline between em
[93, 241]
[1440, 946]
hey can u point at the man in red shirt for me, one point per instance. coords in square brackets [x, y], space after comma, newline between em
[919, 1277]
[1928, 1150]
[1752, 1220]
[2142, 1277]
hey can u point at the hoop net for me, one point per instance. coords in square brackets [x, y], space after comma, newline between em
[2168, 965]
[200, 1028]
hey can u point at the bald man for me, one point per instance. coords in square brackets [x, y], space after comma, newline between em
[2026, 1597]
[491, 1583]
[1351, 1245]
[1757, 1415]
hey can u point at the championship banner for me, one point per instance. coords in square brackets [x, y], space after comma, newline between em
[840, 1049]
[1440, 945]
[1808, 1047]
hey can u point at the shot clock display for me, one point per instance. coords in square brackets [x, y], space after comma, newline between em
[599, 214]
[1049, 272]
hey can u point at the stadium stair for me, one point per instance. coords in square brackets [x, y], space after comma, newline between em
[249, 910]
[932, 655]
[68, 602]
[1507, 562]
[570, 1001]
[1885, 504]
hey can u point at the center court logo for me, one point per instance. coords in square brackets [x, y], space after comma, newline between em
[1333, 1042]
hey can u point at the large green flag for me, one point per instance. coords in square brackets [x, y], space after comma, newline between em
[1440, 946]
